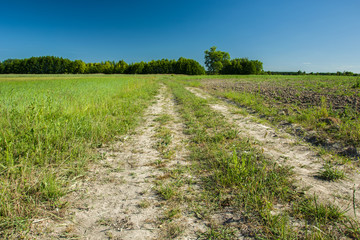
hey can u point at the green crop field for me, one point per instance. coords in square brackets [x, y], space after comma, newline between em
[52, 127]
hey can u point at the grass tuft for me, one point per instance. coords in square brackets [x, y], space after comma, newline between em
[317, 212]
[166, 191]
[330, 173]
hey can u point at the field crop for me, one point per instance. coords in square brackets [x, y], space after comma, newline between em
[50, 126]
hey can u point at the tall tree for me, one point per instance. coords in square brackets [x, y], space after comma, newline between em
[216, 60]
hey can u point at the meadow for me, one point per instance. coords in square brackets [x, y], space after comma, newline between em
[52, 127]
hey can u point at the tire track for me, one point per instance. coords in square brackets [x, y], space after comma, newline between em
[287, 150]
[118, 199]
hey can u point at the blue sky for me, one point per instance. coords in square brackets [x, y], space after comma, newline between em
[316, 35]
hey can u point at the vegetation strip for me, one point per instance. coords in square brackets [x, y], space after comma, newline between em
[176, 186]
[49, 129]
[237, 176]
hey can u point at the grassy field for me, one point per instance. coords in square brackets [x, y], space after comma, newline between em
[52, 125]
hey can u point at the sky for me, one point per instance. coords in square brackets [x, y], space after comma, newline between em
[286, 35]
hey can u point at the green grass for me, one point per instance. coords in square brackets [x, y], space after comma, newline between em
[163, 119]
[331, 173]
[50, 127]
[318, 213]
[166, 191]
[235, 174]
[219, 232]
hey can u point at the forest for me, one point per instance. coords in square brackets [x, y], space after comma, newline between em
[58, 65]
[217, 62]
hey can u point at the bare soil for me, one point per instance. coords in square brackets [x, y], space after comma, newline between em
[291, 151]
[302, 97]
[118, 198]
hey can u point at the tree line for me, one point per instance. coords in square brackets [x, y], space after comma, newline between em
[58, 65]
[217, 62]
[345, 73]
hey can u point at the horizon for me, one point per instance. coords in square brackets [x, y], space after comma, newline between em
[286, 37]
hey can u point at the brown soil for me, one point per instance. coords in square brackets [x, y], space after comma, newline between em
[290, 95]
[288, 150]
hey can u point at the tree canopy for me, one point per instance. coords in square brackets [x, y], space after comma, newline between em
[219, 62]
[216, 60]
[56, 65]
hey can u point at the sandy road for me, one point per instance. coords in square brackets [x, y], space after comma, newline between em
[118, 198]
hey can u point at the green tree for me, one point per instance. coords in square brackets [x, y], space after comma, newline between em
[120, 67]
[215, 61]
[79, 66]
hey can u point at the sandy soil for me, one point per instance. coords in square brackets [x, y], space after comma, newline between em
[118, 198]
[287, 149]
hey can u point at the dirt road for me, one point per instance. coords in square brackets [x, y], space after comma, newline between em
[119, 199]
[142, 188]
[287, 149]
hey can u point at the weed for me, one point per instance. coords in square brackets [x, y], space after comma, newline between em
[219, 232]
[173, 230]
[50, 188]
[109, 234]
[168, 154]
[164, 135]
[356, 84]
[323, 112]
[330, 173]
[166, 191]
[317, 212]
[105, 221]
[163, 119]
[144, 204]
[173, 213]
